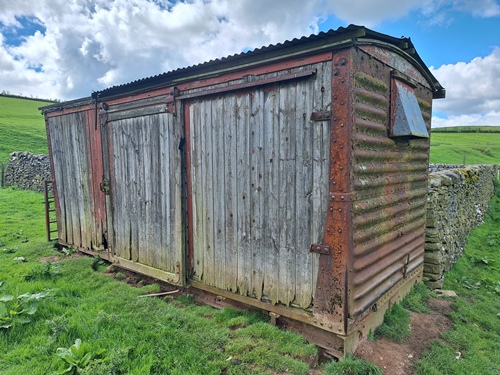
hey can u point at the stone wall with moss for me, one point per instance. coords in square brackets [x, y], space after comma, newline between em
[27, 171]
[457, 201]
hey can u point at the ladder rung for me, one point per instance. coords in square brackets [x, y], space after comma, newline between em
[53, 231]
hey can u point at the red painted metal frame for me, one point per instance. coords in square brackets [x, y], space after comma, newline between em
[330, 299]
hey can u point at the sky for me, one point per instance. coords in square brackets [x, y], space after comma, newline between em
[66, 49]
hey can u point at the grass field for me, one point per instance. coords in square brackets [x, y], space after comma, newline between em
[475, 148]
[22, 127]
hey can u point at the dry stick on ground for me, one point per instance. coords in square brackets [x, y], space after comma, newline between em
[160, 294]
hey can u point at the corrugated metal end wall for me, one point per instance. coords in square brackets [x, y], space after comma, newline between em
[77, 170]
[389, 180]
[259, 172]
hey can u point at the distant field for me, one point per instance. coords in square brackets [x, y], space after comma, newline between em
[475, 148]
[22, 127]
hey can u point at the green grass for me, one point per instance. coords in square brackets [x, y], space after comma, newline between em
[139, 335]
[477, 148]
[22, 127]
[473, 345]
[352, 366]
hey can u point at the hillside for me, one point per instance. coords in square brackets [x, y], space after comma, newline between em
[476, 148]
[22, 127]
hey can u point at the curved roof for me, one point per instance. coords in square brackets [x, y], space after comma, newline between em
[342, 37]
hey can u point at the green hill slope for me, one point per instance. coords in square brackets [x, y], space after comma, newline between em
[22, 127]
[475, 148]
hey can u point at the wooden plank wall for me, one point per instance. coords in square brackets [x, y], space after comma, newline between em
[146, 190]
[69, 142]
[259, 172]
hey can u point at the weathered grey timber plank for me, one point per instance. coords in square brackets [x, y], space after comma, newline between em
[119, 156]
[218, 124]
[243, 229]
[209, 193]
[87, 209]
[303, 181]
[197, 139]
[157, 202]
[231, 193]
[287, 204]
[256, 137]
[177, 244]
[164, 176]
[69, 186]
[272, 193]
[55, 129]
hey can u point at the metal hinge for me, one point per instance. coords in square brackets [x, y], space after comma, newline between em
[405, 266]
[320, 249]
[321, 116]
[174, 92]
[104, 186]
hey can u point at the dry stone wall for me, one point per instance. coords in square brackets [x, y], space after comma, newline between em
[27, 171]
[457, 201]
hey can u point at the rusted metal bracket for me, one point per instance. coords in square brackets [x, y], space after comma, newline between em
[405, 266]
[174, 92]
[103, 114]
[321, 116]
[320, 249]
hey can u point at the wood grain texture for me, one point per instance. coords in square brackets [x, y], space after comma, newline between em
[260, 166]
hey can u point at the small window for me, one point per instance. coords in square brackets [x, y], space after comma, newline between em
[406, 117]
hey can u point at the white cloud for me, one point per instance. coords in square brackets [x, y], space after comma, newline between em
[97, 44]
[88, 45]
[489, 118]
[470, 87]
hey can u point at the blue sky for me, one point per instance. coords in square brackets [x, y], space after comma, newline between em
[66, 49]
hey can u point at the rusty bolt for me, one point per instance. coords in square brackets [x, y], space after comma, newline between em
[343, 61]
[340, 230]
[335, 72]
[340, 210]
[330, 326]
[342, 197]
[341, 125]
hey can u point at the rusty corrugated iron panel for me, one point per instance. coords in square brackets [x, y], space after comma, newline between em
[389, 184]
